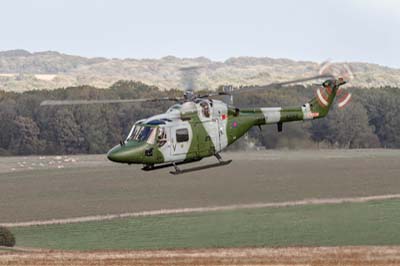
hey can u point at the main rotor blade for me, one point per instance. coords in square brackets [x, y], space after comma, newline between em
[279, 84]
[213, 94]
[328, 76]
[84, 102]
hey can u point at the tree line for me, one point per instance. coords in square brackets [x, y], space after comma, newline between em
[370, 120]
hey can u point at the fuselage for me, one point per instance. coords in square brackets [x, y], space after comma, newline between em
[188, 131]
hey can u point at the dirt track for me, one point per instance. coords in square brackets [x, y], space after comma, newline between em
[317, 256]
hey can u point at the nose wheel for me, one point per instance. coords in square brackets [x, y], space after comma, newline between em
[148, 167]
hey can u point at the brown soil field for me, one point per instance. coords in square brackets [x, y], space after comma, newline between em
[315, 256]
[57, 187]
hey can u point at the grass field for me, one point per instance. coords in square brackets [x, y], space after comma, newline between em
[368, 223]
[89, 185]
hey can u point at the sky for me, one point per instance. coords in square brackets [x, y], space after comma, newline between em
[316, 30]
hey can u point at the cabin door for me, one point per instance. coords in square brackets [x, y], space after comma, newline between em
[180, 140]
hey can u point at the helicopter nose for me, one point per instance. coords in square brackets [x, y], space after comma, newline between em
[116, 154]
[130, 152]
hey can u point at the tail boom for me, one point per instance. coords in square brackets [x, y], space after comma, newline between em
[317, 107]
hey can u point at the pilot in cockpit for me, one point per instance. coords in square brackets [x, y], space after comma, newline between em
[162, 137]
[205, 109]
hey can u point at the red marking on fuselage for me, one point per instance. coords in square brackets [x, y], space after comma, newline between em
[316, 114]
[329, 90]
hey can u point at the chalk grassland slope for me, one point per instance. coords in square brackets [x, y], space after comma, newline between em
[21, 70]
[367, 223]
[93, 186]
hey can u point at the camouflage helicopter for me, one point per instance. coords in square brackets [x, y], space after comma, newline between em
[199, 126]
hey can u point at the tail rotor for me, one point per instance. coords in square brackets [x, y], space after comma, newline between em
[344, 75]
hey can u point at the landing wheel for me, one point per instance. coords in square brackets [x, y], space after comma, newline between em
[148, 167]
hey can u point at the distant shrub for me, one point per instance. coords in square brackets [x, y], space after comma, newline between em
[6, 237]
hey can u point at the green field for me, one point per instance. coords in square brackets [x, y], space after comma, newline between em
[368, 223]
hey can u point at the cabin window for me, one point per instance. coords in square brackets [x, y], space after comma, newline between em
[182, 135]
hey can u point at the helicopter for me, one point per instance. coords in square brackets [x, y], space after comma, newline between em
[200, 126]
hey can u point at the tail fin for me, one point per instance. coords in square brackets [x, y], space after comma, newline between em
[324, 97]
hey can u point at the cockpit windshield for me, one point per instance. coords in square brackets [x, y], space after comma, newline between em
[143, 133]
